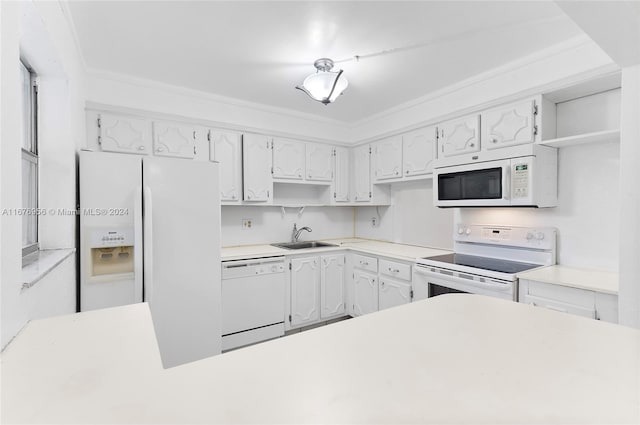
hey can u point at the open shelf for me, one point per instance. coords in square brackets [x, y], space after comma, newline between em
[581, 139]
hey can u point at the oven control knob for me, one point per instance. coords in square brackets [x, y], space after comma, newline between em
[539, 236]
[529, 236]
[467, 231]
[460, 230]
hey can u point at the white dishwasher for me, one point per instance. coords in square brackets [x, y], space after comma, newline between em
[253, 298]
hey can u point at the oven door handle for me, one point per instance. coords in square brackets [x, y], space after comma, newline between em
[451, 277]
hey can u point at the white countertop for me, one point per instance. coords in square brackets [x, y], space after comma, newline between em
[592, 280]
[388, 249]
[449, 359]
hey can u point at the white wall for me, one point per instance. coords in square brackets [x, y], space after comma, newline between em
[269, 226]
[38, 31]
[587, 215]
[411, 219]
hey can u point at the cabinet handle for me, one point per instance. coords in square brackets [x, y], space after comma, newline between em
[140, 148]
[407, 172]
[494, 140]
[160, 150]
[472, 144]
[394, 270]
[397, 173]
[194, 135]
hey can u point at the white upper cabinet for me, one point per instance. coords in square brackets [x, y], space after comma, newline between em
[174, 140]
[305, 291]
[509, 125]
[362, 173]
[459, 136]
[225, 147]
[419, 151]
[256, 166]
[288, 159]
[332, 290]
[341, 175]
[124, 134]
[319, 162]
[387, 158]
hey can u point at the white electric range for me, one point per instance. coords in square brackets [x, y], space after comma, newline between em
[486, 260]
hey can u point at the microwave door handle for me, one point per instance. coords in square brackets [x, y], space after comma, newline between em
[506, 182]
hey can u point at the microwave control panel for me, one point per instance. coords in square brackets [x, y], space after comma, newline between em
[520, 180]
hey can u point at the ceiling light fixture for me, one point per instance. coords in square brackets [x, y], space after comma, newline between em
[324, 86]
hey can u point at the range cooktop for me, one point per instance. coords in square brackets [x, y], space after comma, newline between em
[484, 263]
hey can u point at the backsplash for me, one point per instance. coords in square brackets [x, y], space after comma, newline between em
[268, 225]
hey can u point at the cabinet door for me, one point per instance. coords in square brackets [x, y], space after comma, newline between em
[388, 159]
[256, 166]
[173, 140]
[319, 162]
[419, 151]
[362, 173]
[288, 159]
[226, 149]
[365, 293]
[509, 125]
[305, 291]
[459, 136]
[393, 293]
[124, 134]
[341, 175]
[332, 285]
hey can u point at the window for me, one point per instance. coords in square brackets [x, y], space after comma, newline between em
[29, 96]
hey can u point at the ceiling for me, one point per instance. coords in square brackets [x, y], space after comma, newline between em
[259, 51]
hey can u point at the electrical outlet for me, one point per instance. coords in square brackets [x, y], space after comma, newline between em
[374, 222]
[247, 223]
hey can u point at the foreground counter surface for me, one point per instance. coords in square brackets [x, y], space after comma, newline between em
[453, 358]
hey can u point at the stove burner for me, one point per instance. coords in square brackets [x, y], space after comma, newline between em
[485, 263]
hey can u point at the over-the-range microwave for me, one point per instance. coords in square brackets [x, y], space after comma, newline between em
[529, 180]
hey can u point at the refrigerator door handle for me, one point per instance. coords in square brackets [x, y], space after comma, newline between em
[137, 250]
[148, 245]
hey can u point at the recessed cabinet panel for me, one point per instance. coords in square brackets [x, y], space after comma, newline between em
[341, 175]
[256, 166]
[305, 291]
[393, 293]
[173, 140]
[124, 134]
[362, 174]
[288, 159]
[459, 136]
[226, 149]
[365, 293]
[509, 125]
[319, 162]
[419, 151]
[332, 285]
[388, 159]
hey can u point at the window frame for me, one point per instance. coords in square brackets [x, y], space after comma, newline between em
[31, 155]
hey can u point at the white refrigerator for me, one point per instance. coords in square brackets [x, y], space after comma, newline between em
[150, 231]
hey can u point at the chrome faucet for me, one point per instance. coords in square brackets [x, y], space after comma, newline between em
[295, 234]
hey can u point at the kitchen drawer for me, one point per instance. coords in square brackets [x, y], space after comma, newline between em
[564, 294]
[395, 269]
[589, 312]
[365, 263]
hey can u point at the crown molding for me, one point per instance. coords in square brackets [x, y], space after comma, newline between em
[509, 67]
[198, 94]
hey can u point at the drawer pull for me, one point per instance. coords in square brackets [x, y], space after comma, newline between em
[394, 270]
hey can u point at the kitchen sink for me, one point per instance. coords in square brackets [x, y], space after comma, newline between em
[302, 245]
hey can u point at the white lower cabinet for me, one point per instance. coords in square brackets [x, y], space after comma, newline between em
[393, 293]
[580, 302]
[365, 292]
[316, 290]
[379, 283]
